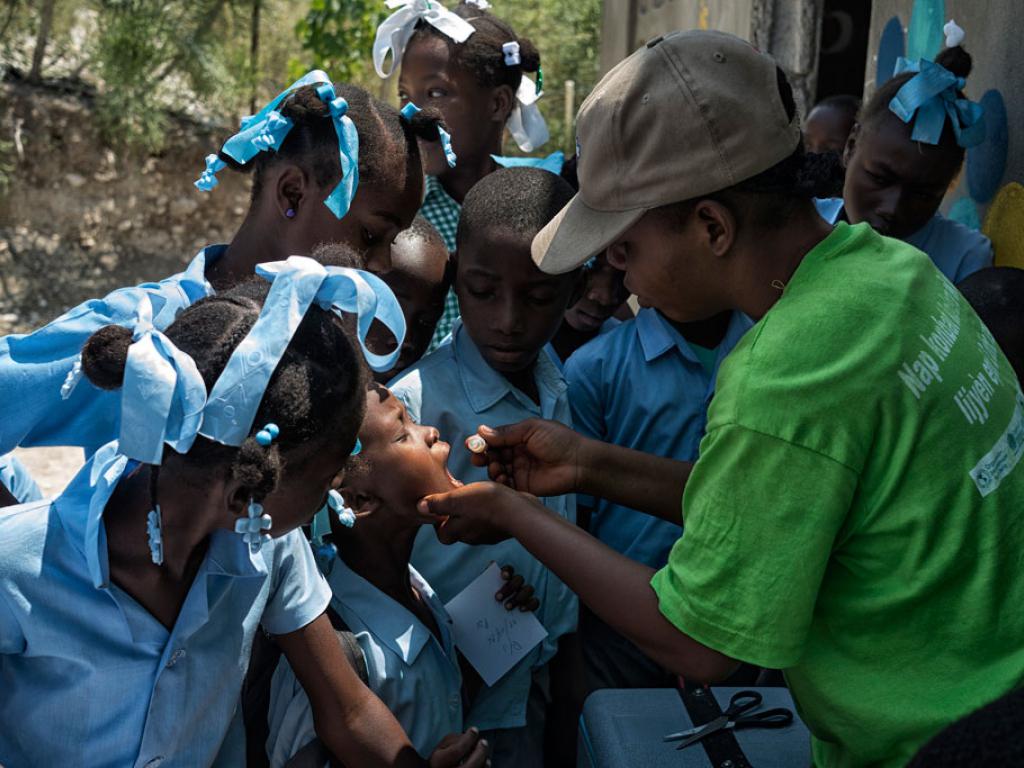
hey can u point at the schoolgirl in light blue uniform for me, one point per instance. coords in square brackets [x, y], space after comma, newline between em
[903, 155]
[296, 148]
[233, 428]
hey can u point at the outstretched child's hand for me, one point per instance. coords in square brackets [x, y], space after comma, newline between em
[461, 749]
[516, 593]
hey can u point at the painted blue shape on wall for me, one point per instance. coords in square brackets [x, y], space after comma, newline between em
[986, 163]
[925, 37]
[890, 48]
[966, 212]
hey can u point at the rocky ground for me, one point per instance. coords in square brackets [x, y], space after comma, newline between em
[52, 468]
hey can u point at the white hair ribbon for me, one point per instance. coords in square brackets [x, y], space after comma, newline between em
[394, 32]
[954, 34]
[511, 51]
[296, 284]
[162, 397]
[526, 123]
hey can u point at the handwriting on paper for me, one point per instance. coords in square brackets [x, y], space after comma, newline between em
[491, 638]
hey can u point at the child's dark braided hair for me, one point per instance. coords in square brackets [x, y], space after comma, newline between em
[481, 54]
[955, 59]
[315, 393]
[313, 144]
[767, 199]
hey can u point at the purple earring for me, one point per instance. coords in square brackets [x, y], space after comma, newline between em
[290, 213]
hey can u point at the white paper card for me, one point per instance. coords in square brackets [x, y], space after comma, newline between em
[491, 638]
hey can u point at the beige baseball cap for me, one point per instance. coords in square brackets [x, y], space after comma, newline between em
[688, 114]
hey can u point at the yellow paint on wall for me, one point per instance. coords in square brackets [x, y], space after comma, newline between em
[704, 17]
[1004, 226]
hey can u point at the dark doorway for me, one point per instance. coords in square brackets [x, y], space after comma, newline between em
[843, 56]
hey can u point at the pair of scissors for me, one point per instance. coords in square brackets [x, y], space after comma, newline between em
[736, 717]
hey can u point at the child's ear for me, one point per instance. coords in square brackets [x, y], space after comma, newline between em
[851, 145]
[291, 190]
[503, 101]
[360, 500]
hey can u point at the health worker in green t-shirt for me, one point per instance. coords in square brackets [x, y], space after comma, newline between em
[856, 516]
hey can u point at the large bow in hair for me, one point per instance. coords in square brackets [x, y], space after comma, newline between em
[162, 397]
[296, 284]
[394, 32]
[930, 98]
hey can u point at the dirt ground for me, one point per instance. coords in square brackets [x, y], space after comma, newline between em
[51, 468]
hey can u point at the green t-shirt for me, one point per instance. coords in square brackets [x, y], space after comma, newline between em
[855, 517]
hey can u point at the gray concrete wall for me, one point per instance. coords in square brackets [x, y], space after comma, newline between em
[788, 29]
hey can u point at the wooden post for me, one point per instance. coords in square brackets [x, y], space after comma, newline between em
[570, 114]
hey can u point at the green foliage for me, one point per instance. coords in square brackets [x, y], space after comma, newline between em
[152, 55]
[567, 34]
[338, 34]
[149, 58]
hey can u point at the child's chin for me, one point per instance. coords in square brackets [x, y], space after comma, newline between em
[455, 483]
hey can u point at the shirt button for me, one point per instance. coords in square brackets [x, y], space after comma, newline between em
[177, 656]
[454, 701]
[156, 761]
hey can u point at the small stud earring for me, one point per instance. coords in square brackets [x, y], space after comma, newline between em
[290, 213]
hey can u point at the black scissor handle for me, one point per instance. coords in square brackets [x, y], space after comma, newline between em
[743, 701]
[779, 717]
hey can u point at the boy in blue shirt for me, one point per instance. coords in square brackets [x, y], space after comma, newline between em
[593, 313]
[644, 385]
[401, 625]
[494, 370]
[420, 276]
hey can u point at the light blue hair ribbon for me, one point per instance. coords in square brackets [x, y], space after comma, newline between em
[162, 397]
[444, 137]
[931, 96]
[267, 129]
[295, 285]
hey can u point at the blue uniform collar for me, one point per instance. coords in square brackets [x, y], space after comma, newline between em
[484, 386]
[81, 505]
[658, 336]
[552, 163]
[389, 622]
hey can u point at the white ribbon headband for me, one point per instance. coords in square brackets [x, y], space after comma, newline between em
[394, 32]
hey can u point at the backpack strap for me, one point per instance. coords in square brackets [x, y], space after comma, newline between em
[263, 661]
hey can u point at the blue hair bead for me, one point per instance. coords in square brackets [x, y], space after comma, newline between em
[409, 110]
[358, 447]
[268, 434]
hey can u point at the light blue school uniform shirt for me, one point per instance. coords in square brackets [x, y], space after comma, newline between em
[607, 326]
[16, 479]
[416, 675]
[957, 251]
[89, 677]
[455, 390]
[33, 366]
[643, 386]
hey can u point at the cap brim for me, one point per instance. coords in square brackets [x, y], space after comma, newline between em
[578, 232]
